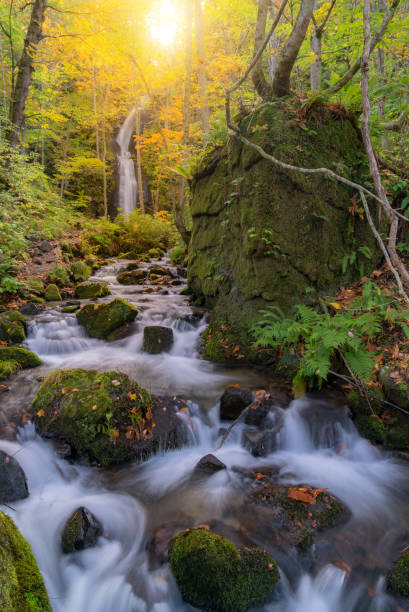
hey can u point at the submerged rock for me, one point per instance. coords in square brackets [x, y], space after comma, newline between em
[52, 294]
[81, 531]
[106, 416]
[91, 290]
[157, 339]
[102, 320]
[212, 574]
[21, 587]
[12, 326]
[233, 402]
[13, 482]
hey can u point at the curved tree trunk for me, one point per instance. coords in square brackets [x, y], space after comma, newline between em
[25, 70]
[281, 82]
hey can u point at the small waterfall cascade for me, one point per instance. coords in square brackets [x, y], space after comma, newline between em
[127, 178]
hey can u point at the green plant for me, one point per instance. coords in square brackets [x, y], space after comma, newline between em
[352, 259]
[319, 338]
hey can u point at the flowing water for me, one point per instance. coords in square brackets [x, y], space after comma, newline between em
[318, 445]
[127, 178]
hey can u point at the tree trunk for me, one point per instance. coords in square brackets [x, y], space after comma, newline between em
[202, 78]
[25, 70]
[281, 82]
[263, 88]
[94, 100]
[315, 70]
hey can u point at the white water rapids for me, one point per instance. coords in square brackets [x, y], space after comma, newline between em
[322, 450]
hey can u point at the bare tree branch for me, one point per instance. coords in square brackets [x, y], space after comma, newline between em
[395, 125]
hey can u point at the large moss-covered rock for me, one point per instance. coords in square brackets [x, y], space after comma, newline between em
[91, 290]
[131, 277]
[264, 236]
[24, 357]
[103, 320]
[12, 327]
[212, 574]
[52, 293]
[81, 531]
[105, 416]
[21, 584]
[157, 339]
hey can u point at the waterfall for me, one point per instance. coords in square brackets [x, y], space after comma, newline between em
[127, 178]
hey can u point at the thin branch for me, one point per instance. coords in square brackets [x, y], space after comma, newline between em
[228, 430]
[397, 124]
[320, 29]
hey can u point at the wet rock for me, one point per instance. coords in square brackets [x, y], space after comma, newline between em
[208, 465]
[134, 265]
[233, 402]
[212, 574]
[159, 271]
[13, 482]
[24, 357]
[62, 449]
[182, 272]
[106, 416]
[132, 277]
[52, 294]
[72, 303]
[45, 246]
[81, 531]
[22, 586]
[69, 309]
[91, 290]
[159, 543]
[256, 414]
[12, 327]
[102, 320]
[157, 339]
[259, 443]
[176, 282]
[29, 309]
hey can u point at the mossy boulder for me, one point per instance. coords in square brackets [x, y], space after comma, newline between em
[105, 416]
[70, 309]
[80, 271]
[103, 320]
[52, 294]
[212, 574]
[263, 236]
[131, 277]
[24, 357]
[134, 265]
[35, 285]
[398, 577]
[81, 531]
[59, 275]
[8, 368]
[12, 326]
[157, 339]
[158, 271]
[89, 290]
[21, 584]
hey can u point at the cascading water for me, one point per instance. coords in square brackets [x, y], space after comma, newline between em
[317, 444]
[127, 178]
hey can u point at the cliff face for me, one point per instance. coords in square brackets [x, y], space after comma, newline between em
[263, 236]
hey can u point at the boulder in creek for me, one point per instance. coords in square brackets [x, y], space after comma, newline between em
[24, 357]
[13, 482]
[134, 265]
[102, 320]
[22, 586]
[213, 574]
[131, 277]
[233, 402]
[81, 531]
[106, 416]
[208, 465]
[29, 309]
[52, 294]
[159, 271]
[157, 339]
[12, 326]
[90, 289]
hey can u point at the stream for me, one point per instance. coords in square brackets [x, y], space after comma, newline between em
[346, 569]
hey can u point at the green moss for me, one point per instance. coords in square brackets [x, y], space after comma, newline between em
[155, 253]
[24, 357]
[157, 339]
[80, 271]
[59, 275]
[131, 277]
[89, 290]
[52, 294]
[12, 327]
[91, 411]
[8, 368]
[35, 285]
[70, 309]
[213, 574]
[21, 584]
[398, 579]
[304, 541]
[100, 320]
[370, 427]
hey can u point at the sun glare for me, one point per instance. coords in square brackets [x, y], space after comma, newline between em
[163, 23]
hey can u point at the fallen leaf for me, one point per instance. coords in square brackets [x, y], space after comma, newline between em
[115, 383]
[305, 494]
[41, 412]
[342, 565]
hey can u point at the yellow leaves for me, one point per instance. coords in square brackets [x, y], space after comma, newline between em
[41, 413]
[64, 390]
[335, 305]
[132, 396]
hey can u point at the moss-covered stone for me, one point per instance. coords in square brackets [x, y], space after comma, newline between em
[35, 285]
[287, 233]
[70, 308]
[89, 290]
[371, 427]
[81, 531]
[131, 277]
[212, 574]
[52, 294]
[8, 368]
[158, 271]
[80, 271]
[21, 584]
[398, 578]
[155, 253]
[59, 275]
[100, 320]
[12, 327]
[93, 412]
[157, 339]
[24, 357]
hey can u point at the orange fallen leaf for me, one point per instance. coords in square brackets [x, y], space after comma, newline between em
[306, 495]
[259, 476]
[41, 412]
[342, 565]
